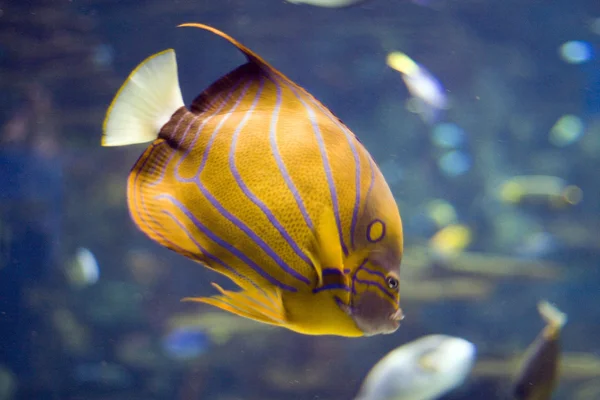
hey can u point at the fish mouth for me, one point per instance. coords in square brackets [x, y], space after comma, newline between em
[392, 328]
[395, 319]
[397, 316]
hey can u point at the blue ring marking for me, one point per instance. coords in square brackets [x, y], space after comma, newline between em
[370, 227]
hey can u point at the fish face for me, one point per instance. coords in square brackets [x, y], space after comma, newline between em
[375, 302]
[375, 265]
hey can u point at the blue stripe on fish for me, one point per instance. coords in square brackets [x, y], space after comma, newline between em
[350, 138]
[362, 267]
[280, 163]
[224, 100]
[326, 166]
[135, 193]
[254, 199]
[215, 203]
[205, 120]
[208, 255]
[373, 272]
[371, 181]
[373, 283]
[331, 271]
[223, 243]
[155, 165]
[215, 259]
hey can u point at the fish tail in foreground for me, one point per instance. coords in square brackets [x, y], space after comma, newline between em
[145, 102]
[555, 319]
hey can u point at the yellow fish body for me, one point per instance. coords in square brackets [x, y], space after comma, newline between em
[263, 184]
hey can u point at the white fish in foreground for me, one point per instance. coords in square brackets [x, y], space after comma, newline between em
[327, 3]
[423, 369]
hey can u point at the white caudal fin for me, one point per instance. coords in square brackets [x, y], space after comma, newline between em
[145, 102]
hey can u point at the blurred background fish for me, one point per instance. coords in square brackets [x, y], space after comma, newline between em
[423, 369]
[83, 270]
[428, 95]
[450, 240]
[538, 374]
[185, 343]
[220, 328]
[551, 191]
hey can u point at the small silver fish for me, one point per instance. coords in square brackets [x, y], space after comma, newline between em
[428, 95]
[423, 369]
[83, 270]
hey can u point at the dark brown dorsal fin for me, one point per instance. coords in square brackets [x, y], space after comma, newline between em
[226, 88]
[256, 68]
[233, 82]
[252, 56]
[251, 72]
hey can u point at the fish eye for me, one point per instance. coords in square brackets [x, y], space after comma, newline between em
[392, 282]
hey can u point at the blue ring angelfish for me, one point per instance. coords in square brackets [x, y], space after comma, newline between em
[375, 231]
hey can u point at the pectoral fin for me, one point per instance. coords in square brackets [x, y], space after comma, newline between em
[329, 249]
[250, 303]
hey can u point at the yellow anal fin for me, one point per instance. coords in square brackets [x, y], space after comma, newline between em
[250, 303]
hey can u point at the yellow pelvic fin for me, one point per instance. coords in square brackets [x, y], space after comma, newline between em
[329, 249]
[144, 103]
[251, 303]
